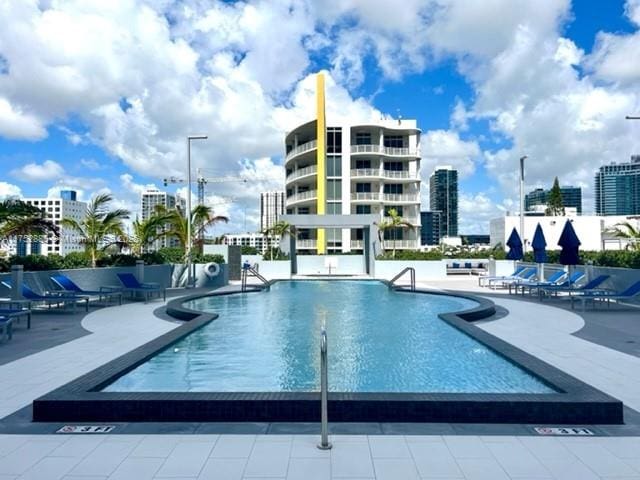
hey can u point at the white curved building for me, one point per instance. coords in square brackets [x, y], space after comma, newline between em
[342, 169]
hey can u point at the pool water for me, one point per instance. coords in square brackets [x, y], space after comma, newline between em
[379, 341]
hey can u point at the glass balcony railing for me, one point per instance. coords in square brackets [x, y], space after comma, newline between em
[302, 172]
[305, 147]
[308, 195]
[390, 151]
[306, 243]
[391, 174]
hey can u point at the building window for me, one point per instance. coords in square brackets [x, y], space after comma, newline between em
[363, 138]
[393, 166]
[334, 140]
[334, 189]
[362, 164]
[334, 166]
[363, 209]
[393, 141]
[334, 208]
[303, 210]
[395, 188]
[363, 188]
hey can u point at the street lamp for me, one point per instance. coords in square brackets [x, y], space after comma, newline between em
[189, 138]
[522, 159]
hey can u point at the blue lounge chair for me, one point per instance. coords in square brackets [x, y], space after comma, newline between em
[6, 326]
[554, 279]
[483, 279]
[17, 314]
[527, 274]
[131, 284]
[69, 286]
[50, 298]
[565, 288]
[603, 295]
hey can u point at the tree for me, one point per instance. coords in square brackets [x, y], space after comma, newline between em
[201, 218]
[555, 206]
[628, 231]
[148, 231]
[100, 228]
[18, 218]
[280, 229]
[392, 223]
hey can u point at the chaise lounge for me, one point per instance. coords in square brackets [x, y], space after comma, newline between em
[49, 298]
[69, 286]
[132, 285]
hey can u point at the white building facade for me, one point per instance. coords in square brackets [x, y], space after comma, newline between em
[368, 169]
[592, 230]
[271, 209]
[255, 240]
[55, 209]
[150, 200]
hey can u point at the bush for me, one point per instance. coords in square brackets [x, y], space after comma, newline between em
[117, 260]
[411, 255]
[207, 258]
[247, 250]
[77, 260]
[37, 263]
[274, 253]
[171, 254]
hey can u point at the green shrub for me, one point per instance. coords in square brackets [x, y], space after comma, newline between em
[274, 253]
[247, 250]
[76, 260]
[171, 254]
[153, 258]
[37, 263]
[208, 258]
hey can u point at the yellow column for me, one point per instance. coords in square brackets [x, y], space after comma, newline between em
[321, 135]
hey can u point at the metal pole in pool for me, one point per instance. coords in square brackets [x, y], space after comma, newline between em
[324, 391]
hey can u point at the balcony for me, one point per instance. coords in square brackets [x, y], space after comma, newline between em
[400, 198]
[401, 244]
[302, 196]
[302, 172]
[357, 244]
[300, 149]
[388, 151]
[366, 197]
[306, 244]
[386, 174]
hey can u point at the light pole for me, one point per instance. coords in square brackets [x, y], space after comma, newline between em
[189, 138]
[522, 159]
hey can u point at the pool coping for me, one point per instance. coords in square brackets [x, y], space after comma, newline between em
[81, 400]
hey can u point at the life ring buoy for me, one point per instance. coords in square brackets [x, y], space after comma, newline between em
[211, 269]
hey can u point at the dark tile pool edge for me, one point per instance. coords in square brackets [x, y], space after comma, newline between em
[81, 400]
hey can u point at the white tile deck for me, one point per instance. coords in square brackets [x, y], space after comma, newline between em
[541, 330]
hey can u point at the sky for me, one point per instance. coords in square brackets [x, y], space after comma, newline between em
[100, 96]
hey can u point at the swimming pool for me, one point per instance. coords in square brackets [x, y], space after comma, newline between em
[379, 340]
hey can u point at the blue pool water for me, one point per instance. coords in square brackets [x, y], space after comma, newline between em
[379, 341]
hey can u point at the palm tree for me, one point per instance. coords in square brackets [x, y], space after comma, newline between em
[279, 229]
[18, 218]
[628, 231]
[392, 223]
[148, 231]
[201, 218]
[100, 227]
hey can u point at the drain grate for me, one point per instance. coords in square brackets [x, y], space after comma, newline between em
[563, 431]
[86, 429]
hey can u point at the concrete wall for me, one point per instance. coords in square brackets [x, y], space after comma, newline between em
[425, 269]
[92, 279]
[345, 264]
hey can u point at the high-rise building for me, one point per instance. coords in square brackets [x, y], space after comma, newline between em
[617, 188]
[342, 167]
[150, 200]
[56, 209]
[571, 198]
[271, 208]
[443, 197]
[430, 228]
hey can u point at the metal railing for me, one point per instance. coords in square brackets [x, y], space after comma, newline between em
[324, 393]
[357, 244]
[412, 272]
[390, 174]
[309, 194]
[302, 172]
[400, 197]
[366, 196]
[304, 243]
[254, 272]
[401, 244]
[391, 151]
[305, 147]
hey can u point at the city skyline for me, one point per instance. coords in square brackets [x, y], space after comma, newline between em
[478, 97]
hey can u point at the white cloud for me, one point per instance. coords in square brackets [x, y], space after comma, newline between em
[8, 190]
[34, 172]
[15, 124]
[445, 147]
[90, 163]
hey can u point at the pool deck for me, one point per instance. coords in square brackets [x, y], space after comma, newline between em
[594, 348]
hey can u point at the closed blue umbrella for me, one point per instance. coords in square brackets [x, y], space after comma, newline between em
[539, 245]
[570, 243]
[515, 246]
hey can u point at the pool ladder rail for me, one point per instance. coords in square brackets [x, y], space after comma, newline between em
[412, 286]
[324, 393]
[254, 272]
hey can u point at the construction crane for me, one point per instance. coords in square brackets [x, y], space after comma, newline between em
[201, 180]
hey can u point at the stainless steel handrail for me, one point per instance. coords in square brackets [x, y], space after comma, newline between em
[412, 272]
[245, 274]
[324, 393]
